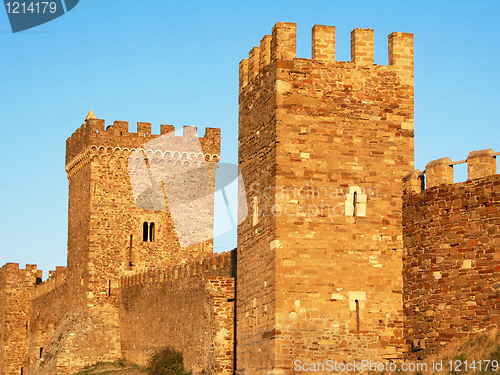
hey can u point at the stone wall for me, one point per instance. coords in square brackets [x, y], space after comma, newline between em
[452, 258]
[190, 307]
[106, 219]
[256, 261]
[15, 290]
[47, 312]
[323, 148]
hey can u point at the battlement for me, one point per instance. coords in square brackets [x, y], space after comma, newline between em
[12, 273]
[94, 133]
[480, 164]
[210, 266]
[56, 278]
[282, 45]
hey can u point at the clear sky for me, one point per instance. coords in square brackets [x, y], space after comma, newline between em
[176, 63]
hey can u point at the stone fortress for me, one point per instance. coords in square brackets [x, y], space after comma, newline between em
[347, 252]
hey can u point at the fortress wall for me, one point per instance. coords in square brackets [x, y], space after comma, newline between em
[190, 307]
[452, 258]
[52, 302]
[65, 335]
[48, 310]
[82, 337]
[56, 278]
[16, 286]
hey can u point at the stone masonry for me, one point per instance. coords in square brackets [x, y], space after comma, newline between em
[451, 265]
[323, 146]
[347, 252]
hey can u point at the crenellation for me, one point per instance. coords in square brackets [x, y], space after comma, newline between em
[481, 163]
[121, 128]
[412, 183]
[190, 132]
[362, 46]
[143, 128]
[56, 278]
[284, 41]
[438, 172]
[167, 129]
[117, 136]
[243, 73]
[401, 50]
[265, 52]
[218, 263]
[323, 43]
[253, 63]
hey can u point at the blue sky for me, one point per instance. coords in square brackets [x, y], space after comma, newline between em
[176, 63]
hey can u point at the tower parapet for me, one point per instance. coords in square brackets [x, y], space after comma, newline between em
[282, 45]
[480, 164]
[94, 133]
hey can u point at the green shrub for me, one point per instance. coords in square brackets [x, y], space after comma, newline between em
[166, 361]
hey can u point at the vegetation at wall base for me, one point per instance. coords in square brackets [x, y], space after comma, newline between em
[166, 361]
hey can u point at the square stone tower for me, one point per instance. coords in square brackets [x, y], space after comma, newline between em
[323, 147]
[113, 232]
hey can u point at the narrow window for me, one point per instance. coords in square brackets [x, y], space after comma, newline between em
[109, 289]
[148, 231]
[152, 232]
[27, 325]
[130, 250]
[41, 352]
[354, 202]
[145, 231]
[21, 371]
[357, 315]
